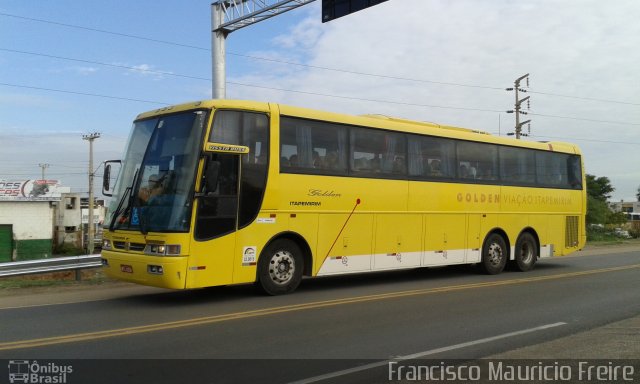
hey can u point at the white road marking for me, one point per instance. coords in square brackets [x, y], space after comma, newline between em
[365, 367]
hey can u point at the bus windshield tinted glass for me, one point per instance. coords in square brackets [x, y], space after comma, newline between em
[133, 154]
[161, 185]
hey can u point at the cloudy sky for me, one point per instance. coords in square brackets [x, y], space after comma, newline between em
[68, 68]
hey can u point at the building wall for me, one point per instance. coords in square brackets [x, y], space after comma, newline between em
[32, 224]
[68, 225]
[625, 206]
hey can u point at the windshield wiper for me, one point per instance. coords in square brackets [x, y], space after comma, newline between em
[126, 195]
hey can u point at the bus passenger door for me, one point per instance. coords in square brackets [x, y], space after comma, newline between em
[211, 261]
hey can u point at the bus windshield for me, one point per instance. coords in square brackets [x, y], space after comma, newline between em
[155, 186]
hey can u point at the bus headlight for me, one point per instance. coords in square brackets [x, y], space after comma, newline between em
[162, 249]
[106, 244]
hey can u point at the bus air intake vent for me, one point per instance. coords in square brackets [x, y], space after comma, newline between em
[571, 232]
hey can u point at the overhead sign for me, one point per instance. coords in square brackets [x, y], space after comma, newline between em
[31, 190]
[333, 9]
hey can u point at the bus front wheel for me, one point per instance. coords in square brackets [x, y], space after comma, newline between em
[280, 267]
[494, 254]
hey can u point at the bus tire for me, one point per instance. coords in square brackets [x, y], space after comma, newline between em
[494, 254]
[280, 267]
[526, 252]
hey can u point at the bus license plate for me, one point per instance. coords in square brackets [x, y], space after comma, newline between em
[126, 268]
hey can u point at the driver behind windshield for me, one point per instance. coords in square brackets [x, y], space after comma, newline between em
[153, 188]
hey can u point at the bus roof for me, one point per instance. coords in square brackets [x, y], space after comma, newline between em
[373, 120]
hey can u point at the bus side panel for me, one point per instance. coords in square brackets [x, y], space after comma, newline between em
[513, 224]
[445, 239]
[352, 249]
[474, 242]
[211, 262]
[398, 241]
[540, 224]
[556, 233]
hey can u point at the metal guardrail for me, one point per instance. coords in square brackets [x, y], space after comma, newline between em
[54, 264]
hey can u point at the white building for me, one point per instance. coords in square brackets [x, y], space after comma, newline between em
[625, 206]
[36, 216]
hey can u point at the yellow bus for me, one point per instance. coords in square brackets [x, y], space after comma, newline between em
[225, 192]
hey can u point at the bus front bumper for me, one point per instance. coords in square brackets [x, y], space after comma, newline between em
[157, 271]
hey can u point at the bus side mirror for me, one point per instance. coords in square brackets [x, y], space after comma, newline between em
[106, 177]
[211, 176]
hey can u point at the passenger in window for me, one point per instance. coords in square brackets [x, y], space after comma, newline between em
[293, 160]
[317, 161]
[473, 173]
[435, 168]
[463, 171]
[374, 164]
[361, 164]
[284, 162]
[426, 168]
[331, 160]
[487, 175]
[398, 165]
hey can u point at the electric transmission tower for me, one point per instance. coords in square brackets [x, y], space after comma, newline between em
[43, 166]
[518, 107]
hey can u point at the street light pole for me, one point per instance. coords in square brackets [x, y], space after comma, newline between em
[230, 15]
[218, 42]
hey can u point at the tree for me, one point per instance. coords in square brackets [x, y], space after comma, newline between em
[596, 211]
[599, 190]
[638, 194]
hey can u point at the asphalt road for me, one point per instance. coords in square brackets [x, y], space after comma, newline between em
[329, 326]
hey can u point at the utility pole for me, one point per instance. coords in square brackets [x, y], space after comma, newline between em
[91, 231]
[517, 110]
[43, 166]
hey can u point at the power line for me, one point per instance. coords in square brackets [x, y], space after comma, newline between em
[364, 99]
[585, 98]
[241, 54]
[252, 57]
[366, 74]
[122, 66]
[102, 31]
[261, 87]
[299, 64]
[583, 119]
[83, 93]
[316, 94]
[575, 138]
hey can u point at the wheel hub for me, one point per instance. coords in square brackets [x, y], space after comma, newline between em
[281, 267]
[495, 254]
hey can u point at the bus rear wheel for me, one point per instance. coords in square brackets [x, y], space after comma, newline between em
[494, 254]
[280, 267]
[526, 252]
